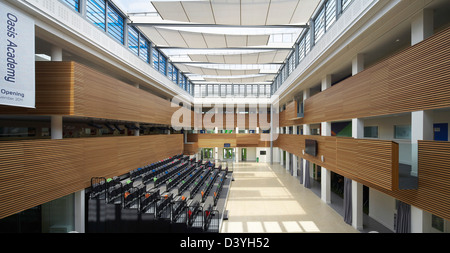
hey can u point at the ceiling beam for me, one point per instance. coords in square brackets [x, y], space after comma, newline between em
[213, 63]
[300, 26]
[228, 48]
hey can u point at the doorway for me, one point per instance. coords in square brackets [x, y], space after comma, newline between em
[440, 132]
[228, 154]
[207, 153]
[243, 154]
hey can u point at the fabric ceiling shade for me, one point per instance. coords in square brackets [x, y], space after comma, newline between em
[216, 72]
[238, 12]
[257, 79]
[252, 58]
[173, 38]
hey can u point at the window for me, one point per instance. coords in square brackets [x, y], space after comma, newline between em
[96, 12]
[308, 42]
[249, 90]
[133, 40]
[155, 59]
[437, 223]
[175, 75]
[203, 91]
[236, 90]
[402, 132]
[319, 25]
[242, 90]
[162, 64]
[115, 24]
[268, 88]
[330, 13]
[143, 49]
[345, 3]
[74, 4]
[170, 71]
[371, 132]
[229, 90]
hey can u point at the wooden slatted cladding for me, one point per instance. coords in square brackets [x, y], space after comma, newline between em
[235, 140]
[72, 89]
[371, 162]
[38, 171]
[415, 79]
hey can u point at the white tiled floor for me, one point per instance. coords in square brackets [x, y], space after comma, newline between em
[264, 198]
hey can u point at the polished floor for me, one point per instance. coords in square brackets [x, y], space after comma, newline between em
[264, 198]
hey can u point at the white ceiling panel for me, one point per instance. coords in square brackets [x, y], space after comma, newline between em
[171, 10]
[235, 12]
[236, 41]
[257, 40]
[233, 59]
[227, 12]
[174, 37]
[254, 12]
[157, 38]
[194, 40]
[304, 11]
[280, 12]
[266, 57]
[249, 58]
[215, 40]
[198, 57]
[199, 11]
[215, 58]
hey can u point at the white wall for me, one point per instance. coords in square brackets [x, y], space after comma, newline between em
[263, 158]
[382, 208]
[386, 132]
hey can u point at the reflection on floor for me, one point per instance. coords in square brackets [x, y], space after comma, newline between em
[264, 198]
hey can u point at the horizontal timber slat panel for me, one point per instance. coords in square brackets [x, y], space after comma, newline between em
[418, 78]
[38, 171]
[235, 140]
[371, 162]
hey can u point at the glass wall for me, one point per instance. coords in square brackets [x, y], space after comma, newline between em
[74, 4]
[327, 15]
[105, 15]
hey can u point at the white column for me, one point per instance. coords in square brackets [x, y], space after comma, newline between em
[56, 120]
[422, 26]
[56, 53]
[79, 207]
[357, 64]
[216, 154]
[237, 155]
[295, 165]
[281, 157]
[357, 205]
[287, 160]
[420, 221]
[357, 188]
[325, 181]
[421, 129]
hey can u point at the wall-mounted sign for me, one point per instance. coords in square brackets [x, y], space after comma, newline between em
[226, 145]
[17, 56]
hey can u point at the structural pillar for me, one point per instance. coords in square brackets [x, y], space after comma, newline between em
[421, 129]
[325, 181]
[79, 207]
[288, 159]
[357, 64]
[420, 220]
[422, 26]
[294, 165]
[357, 188]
